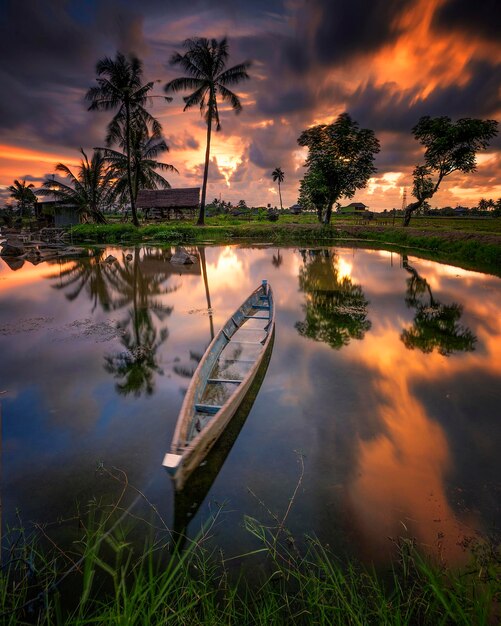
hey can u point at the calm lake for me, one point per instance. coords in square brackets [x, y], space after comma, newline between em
[384, 382]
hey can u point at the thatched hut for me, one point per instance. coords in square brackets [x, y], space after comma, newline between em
[168, 203]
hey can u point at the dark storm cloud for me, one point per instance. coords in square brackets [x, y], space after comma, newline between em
[398, 150]
[240, 173]
[338, 30]
[385, 108]
[182, 141]
[273, 146]
[214, 171]
[474, 18]
[35, 179]
[48, 53]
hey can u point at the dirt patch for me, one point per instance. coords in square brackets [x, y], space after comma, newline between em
[87, 329]
[79, 329]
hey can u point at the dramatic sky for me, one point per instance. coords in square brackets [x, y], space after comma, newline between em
[386, 62]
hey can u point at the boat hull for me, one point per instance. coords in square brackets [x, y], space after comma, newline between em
[184, 458]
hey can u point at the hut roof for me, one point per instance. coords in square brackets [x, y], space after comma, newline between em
[166, 198]
[355, 205]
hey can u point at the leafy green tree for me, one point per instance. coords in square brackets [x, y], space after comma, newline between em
[449, 147]
[89, 191]
[145, 149]
[205, 63]
[335, 309]
[314, 192]
[340, 160]
[23, 195]
[120, 87]
[278, 177]
[436, 326]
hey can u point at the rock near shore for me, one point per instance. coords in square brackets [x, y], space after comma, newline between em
[12, 248]
[181, 257]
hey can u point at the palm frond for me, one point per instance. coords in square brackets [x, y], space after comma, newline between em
[183, 83]
[232, 98]
[235, 74]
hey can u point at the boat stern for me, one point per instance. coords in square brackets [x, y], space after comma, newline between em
[171, 462]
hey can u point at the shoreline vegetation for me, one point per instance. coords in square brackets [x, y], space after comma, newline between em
[115, 573]
[472, 244]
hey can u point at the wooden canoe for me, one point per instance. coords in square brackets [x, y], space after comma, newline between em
[220, 382]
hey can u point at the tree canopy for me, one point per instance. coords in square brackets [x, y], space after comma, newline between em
[90, 190]
[449, 147]
[340, 160]
[120, 87]
[23, 195]
[144, 149]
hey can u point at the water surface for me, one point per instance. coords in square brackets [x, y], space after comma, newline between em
[384, 380]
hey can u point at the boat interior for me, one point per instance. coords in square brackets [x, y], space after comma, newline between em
[236, 349]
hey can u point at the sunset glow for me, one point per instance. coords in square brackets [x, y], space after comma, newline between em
[408, 60]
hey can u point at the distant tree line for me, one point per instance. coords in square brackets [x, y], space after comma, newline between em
[484, 208]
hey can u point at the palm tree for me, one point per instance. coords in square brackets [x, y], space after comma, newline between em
[120, 87]
[483, 204]
[205, 62]
[89, 191]
[278, 175]
[21, 192]
[144, 150]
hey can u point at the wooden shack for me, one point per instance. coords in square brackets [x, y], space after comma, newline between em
[169, 203]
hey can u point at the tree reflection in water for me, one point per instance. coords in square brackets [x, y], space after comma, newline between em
[436, 325]
[137, 365]
[116, 286]
[91, 273]
[335, 308]
[277, 259]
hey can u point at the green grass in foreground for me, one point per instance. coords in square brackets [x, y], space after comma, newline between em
[107, 581]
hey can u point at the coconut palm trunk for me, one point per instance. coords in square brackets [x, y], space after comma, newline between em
[203, 265]
[280, 196]
[135, 221]
[201, 215]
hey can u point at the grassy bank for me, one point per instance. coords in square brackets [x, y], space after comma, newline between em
[472, 244]
[105, 580]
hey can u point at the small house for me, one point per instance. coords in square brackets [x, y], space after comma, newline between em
[354, 208]
[296, 209]
[56, 213]
[167, 203]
